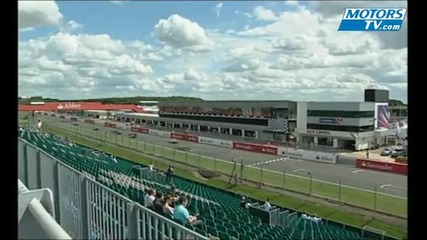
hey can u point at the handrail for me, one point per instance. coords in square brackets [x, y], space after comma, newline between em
[31, 202]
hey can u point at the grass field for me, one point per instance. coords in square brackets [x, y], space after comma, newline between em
[331, 213]
[357, 197]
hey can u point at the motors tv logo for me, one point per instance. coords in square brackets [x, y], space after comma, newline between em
[372, 19]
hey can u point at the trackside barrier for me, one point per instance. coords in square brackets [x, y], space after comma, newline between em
[397, 168]
[308, 155]
[36, 215]
[87, 209]
[245, 146]
[337, 192]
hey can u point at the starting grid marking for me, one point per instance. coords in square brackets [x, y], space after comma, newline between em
[269, 161]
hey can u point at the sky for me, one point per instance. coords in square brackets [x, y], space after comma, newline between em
[243, 50]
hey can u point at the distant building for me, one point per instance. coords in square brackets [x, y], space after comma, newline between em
[314, 125]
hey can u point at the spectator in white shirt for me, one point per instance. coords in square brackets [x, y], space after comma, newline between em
[39, 124]
[149, 198]
[267, 205]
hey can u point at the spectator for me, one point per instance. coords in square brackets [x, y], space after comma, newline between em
[169, 174]
[167, 208]
[158, 203]
[181, 213]
[243, 202]
[149, 198]
[248, 203]
[39, 124]
[267, 205]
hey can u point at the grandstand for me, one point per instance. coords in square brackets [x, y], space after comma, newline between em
[221, 211]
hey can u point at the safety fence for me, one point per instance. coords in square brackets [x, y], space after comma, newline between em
[378, 200]
[88, 210]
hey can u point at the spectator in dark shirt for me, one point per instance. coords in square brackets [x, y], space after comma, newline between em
[169, 174]
[243, 202]
[158, 203]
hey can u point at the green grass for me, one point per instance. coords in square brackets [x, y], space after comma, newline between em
[356, 197]
[321, 210]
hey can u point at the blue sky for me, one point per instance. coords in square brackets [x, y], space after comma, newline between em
[214, 50]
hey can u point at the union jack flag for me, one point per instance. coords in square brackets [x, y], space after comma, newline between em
[338, 120]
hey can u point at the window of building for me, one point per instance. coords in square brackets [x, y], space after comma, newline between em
[236, 132]
[249, 121]
[343, 114]
[341, 128]
[250, 133]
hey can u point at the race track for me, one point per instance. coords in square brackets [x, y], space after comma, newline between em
[349, 176]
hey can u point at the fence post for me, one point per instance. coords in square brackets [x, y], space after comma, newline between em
[262, 176]
[133, 220]
[284, 179]
[186, 158]
[375, 201]
[340, 194]
[84, 208]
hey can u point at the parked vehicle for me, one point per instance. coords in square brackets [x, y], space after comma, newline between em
[386, 152]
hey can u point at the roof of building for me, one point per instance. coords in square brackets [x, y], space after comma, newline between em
[54, 106]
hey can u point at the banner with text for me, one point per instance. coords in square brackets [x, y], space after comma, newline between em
[307, 155]
[110, 125]
[185, 137]
[90, 121]
[140, 130]
[253, 147]
[159, 133]
[216, 142]
[382, 166]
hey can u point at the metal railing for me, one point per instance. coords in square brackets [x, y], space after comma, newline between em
[88, 210]
[36, 215]
[336, 192]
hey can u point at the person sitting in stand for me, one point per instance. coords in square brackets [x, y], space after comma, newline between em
[149, 198]
[167, 208]
[181, 213]
[158, 203]
[243, 201]
[267, 205]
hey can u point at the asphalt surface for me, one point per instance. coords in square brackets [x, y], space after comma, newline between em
[349, 176]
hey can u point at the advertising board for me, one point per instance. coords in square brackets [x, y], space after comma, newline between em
[253, 147]
[216, 142]
[159, 133]
[185, 137]
[140, 130]
[397, 168]
[307, 155]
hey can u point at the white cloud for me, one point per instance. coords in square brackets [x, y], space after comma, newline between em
[180, 32]
[218, 8]
[38, 13]
[261, 13]
[71, 26]
[118, 2]
[298, 56]
[79, 63]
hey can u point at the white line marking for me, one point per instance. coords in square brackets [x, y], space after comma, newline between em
[357, 171]
[316, 180]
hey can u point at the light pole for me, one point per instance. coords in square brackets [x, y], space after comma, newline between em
[311, 179]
